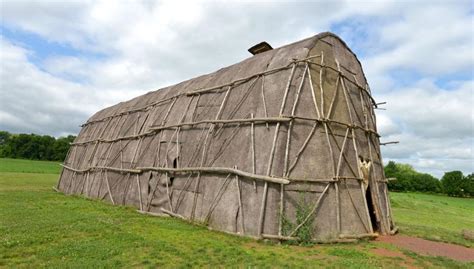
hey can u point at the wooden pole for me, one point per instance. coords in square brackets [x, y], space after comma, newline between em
[341, 153]
[314, 95]
[263, 99]
[252, 148]
[139, 192]
[333, 99]
[213, 122]
[241, 208]
[338, 207]
[108, 188]
[321, 82]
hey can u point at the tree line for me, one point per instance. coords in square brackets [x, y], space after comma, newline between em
[34, 147]
[453, 183]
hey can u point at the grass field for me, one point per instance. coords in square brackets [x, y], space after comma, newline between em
[434, 217]
[28, 166]
[41, 228]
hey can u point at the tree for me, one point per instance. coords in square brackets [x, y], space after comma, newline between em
[403, 173]
[455, 184]
[61, 147]
[470, 184]
[408, 179]
[33, 146]
[4, 137]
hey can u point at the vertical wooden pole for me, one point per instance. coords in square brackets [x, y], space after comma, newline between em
[321, 82]
[241, 208]
[338, 207]
[252, 142]
[263, 98]
[108, 188]
[139, 192]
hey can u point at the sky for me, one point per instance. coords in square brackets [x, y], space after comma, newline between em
[61, 61]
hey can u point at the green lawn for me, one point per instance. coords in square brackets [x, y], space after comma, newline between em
[42, 228]
[433, 217]
[28, 166]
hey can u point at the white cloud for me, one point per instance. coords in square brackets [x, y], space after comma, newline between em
[435, 126]
[431, 112]
[35, 101]
[434, 39]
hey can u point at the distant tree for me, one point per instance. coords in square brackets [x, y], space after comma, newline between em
[470, 184]
[4, 137]
[61, 147]
[426, 183]
[32, 146]
[455, 184]
[403, 173]
[408, 179]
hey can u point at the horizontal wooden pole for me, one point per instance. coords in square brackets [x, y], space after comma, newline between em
[157, 128]
[139, 109]
[317, 241]
[172, 214]
[153, 213]
[333, 121]
[284, 118]
[388, 143]
[74, 169]
[334, 241]
[219, 170]
[238, 81]
[122, 170]
[280, 237]
[128, 137]
[358, 236]
[248, 121]
[333, 179]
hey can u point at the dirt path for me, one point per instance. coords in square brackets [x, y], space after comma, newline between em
[431, 248]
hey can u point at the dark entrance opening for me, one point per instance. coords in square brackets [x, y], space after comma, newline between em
[371, 207]
[149, 183]
[175, 165]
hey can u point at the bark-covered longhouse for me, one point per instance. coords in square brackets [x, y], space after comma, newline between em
[245, 148]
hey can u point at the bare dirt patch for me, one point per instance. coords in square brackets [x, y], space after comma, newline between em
[430, 248]
[407, 261]
[388, 253]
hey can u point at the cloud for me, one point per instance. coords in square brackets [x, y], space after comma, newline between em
[35, 101]
[435, 126]
[431, 112]
[417, 56]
